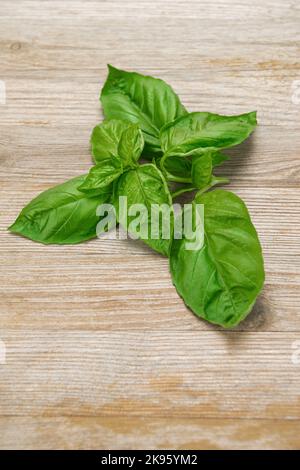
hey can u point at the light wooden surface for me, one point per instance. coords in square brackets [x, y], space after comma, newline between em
[100, 350]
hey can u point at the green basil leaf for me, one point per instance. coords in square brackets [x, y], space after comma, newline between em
[201, 169]
[218, 158]
[221, 279]
[106, 137]
[143, 99]
[178, 169]
[131, 144]
[144, 185]
[187, 188]
[195, 131]
[102, 175]
[61, 215]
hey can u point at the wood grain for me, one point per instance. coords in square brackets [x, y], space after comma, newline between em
[144, 433]
[216, 375]
[100, 350]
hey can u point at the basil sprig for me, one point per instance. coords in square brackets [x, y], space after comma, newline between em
[141, 99]
[220, 279]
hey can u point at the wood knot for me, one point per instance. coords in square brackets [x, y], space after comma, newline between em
[16, 46]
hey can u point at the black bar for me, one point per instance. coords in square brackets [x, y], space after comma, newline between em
[146, 458]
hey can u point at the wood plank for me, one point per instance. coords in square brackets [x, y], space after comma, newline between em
[215, 375]
[39, 156]
[146, 433]
[133, 288]
[72, 100]
[242, 71]
[87, 291]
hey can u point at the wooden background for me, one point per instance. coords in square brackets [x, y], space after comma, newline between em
[100, 350]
